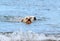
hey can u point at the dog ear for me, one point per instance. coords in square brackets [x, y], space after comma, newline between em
[34, 18]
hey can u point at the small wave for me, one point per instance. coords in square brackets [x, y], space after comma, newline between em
[27, 36]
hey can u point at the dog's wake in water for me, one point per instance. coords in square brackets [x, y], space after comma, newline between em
[27, 19]
[10, 18]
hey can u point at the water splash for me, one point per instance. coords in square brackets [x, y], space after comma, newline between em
[27, 36]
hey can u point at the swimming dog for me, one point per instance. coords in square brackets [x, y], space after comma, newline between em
[28, 19]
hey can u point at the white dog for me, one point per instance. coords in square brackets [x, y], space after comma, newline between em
[28, 19]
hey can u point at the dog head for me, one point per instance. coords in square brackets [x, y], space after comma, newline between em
[28, 19]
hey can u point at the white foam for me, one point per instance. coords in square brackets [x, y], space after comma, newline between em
[4, 38]
[26, 36]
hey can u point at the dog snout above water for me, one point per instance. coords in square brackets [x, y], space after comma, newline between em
[28, 21]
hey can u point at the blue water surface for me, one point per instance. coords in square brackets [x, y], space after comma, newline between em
[46, 10]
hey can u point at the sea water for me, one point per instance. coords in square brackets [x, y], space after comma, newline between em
[47, 13]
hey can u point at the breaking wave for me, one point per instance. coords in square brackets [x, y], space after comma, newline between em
[27, 36]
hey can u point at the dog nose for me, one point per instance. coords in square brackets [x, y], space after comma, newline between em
[34, 18]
